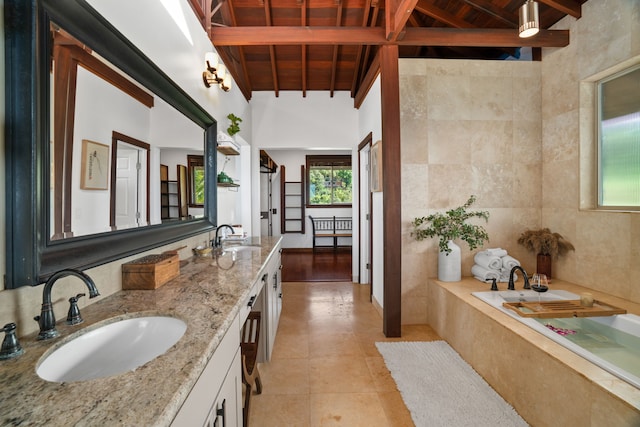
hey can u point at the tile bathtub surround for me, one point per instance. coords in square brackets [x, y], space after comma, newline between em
[519, 363]
[206, 297]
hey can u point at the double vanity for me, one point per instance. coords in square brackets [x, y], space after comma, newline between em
[197, 381]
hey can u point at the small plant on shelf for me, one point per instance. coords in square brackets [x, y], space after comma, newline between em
[234, 127]
[452, 225]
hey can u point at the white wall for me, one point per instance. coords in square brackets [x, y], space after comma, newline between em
[370, 120]
[174, 40]
[180, 54]
[318, 122]
[293, 121]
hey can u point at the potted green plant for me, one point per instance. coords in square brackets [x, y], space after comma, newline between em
[547, 245]
[234, 127]
[449, 226]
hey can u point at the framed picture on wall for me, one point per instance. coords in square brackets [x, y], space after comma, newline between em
[95, 166]
[376, 166]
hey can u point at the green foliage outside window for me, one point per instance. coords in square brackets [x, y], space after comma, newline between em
[198, 185]
[330, 184]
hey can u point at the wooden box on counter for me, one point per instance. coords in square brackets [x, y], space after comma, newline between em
[150, 272]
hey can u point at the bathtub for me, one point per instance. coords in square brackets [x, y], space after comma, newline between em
[611, 342]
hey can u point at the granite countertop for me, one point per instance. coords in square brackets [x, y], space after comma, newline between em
[207, 296]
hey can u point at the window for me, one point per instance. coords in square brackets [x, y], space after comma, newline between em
[619, 141]
[196, 181]
[329, 180]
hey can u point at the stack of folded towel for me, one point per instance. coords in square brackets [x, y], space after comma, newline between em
[493, 264]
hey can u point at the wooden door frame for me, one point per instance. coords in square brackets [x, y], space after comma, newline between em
[366, 142]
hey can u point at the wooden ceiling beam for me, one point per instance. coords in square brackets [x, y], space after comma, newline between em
[367, 81]
[240, 73]
[472, 37]
[479, 37]
[241, 79]
[485, 6]
[570, 7]
[397, 12]
[272, 50]
[303, 56]
[426, 8]
[366, 12]
[368, 19]
[334, 61]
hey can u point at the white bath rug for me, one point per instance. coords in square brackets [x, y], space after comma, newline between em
[441, 389]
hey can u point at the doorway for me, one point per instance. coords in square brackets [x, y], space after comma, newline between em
[129, 182]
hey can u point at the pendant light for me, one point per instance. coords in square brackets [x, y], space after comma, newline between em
[529, 19]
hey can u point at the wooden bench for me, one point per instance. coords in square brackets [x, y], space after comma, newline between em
[332, 228]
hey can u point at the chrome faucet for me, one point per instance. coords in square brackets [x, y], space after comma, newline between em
[217, 242]
[47, 320]
[511, 285]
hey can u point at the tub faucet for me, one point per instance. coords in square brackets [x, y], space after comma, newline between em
[217, 242]
[47, 320]
[511, 286]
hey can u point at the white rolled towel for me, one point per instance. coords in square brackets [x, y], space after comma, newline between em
[504, 275]
[486, 260]
[481, 273]
[496, 252]
[509, 262]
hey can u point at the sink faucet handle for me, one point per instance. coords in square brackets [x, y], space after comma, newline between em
[10, 345]
[73, 316]
[494, 285]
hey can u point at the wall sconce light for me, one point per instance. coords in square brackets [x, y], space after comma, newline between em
[529, 19]
[215, 73]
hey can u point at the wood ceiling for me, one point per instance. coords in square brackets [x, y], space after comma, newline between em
[332, 45]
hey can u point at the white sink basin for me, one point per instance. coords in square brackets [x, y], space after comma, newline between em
[112, 349]
[242, 251]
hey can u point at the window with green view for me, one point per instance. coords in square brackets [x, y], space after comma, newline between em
[329, 180]
[619, 140]
[196, 180]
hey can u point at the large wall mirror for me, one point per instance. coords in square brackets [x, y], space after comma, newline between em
[99, 145]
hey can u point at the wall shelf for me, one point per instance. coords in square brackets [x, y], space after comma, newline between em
[292, 203]
[228, 150]
[228, 184]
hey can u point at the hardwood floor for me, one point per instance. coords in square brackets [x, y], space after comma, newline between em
[323, 265]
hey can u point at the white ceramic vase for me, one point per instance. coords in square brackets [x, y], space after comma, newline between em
[450, 264]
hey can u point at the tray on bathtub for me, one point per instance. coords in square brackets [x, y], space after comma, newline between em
[564, 308]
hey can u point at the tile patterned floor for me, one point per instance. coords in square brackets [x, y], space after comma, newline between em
[325, 369]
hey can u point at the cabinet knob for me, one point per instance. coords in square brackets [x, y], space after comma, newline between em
[252, 300]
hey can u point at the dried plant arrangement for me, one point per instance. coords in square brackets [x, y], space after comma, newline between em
[545, 242]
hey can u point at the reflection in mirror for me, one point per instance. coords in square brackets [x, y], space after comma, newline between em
[47, 175]
[175, 182]
[109, 137]
[129, 201]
